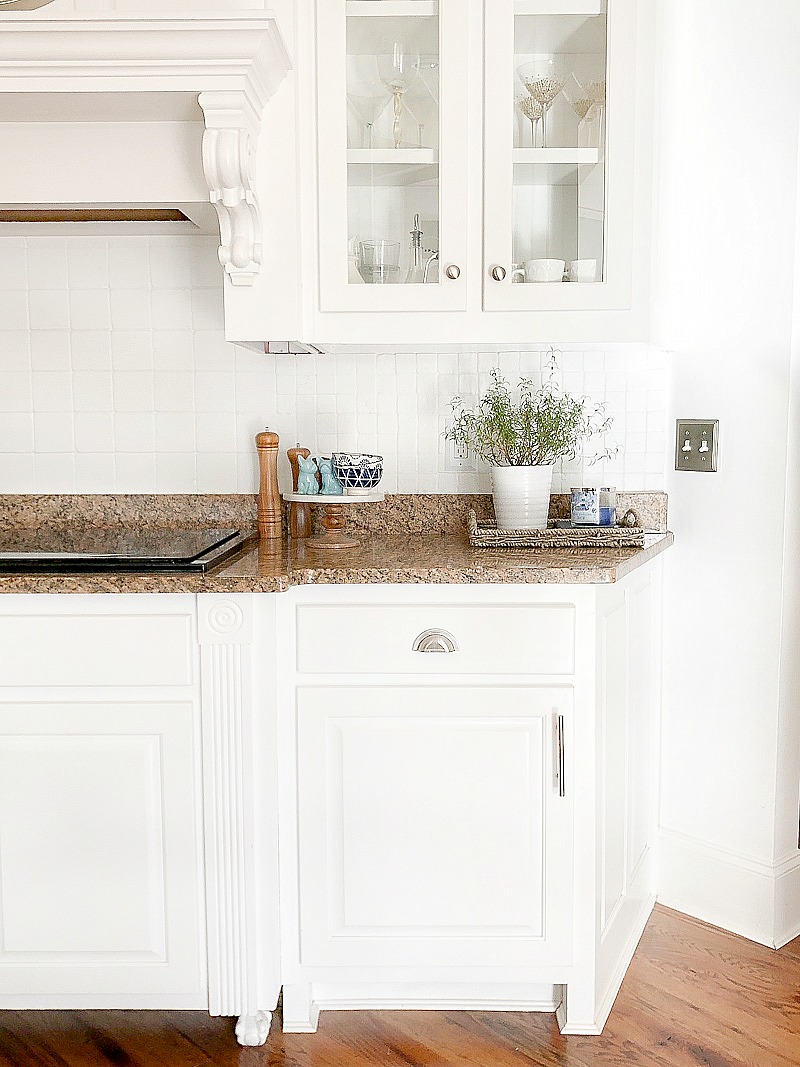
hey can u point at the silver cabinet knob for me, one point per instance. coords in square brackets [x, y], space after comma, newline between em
[435, 641]
[453, 271]
[499, 273]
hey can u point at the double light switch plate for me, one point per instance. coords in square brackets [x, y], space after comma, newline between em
[697, 445]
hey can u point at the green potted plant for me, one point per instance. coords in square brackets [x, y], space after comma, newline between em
[521, 438]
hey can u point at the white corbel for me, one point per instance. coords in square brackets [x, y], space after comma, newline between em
[229, 164]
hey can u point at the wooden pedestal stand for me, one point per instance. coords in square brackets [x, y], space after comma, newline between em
[334, 518]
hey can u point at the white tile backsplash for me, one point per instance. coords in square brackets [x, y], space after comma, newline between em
[115, 376]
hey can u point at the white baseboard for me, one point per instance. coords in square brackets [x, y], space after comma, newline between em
[435, 996]
[787, 901]
[757, 900]
[610, 995]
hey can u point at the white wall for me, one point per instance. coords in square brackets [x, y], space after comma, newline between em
[725, 264]
[115, 377]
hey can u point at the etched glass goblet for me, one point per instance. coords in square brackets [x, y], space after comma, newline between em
[544, 85]
[368, 102]
[533, 112]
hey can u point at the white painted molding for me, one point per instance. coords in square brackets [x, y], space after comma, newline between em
[107, 52]
[233, 65]
[743, 894]
[229, 164]
[226, 633]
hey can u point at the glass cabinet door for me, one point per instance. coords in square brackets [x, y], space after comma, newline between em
[392, 166]
[559, 159]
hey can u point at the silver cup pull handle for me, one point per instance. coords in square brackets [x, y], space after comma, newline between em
[562, 757]
[435, 641]
[499, 273]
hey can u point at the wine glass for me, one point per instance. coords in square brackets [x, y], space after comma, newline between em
[543, 85]
[593, 99]
[368, 101]
[423, 102]
[398, 70]
[533, 111]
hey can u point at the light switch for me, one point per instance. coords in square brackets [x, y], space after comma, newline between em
[696, 445]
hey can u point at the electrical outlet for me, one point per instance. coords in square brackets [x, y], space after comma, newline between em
[697, 445]
[457, 460]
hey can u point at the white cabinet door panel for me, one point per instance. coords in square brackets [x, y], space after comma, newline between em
[431, 830]
[98, 850]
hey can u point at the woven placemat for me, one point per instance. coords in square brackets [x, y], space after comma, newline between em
[485, 534]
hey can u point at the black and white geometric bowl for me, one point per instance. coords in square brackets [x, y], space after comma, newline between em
[358, 472]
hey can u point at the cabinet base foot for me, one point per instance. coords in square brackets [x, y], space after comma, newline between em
[253, 1029]
[300, 1013]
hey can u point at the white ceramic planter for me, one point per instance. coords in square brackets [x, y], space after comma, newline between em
[522, 497]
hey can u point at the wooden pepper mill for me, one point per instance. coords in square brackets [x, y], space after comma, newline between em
[270, 525]
[299, 514]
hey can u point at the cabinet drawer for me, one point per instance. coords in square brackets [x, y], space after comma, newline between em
[67, 649]
[488, 639]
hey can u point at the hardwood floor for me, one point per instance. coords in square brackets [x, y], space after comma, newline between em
[693, 995]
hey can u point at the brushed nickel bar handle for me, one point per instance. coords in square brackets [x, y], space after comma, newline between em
[562, 761]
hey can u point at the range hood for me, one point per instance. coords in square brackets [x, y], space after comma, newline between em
[111, 119]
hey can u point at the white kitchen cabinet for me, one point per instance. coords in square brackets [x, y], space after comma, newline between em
[409, 132]
[474, 826]
[101, 879]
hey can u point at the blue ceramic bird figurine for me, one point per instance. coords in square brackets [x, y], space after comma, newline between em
[331, 486]
[307, 483]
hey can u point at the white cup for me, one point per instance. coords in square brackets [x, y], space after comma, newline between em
[583, 270]
[541, 270]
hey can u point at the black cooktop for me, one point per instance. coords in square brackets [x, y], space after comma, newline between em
[66, 551]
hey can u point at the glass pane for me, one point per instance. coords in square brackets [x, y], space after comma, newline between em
[559, 148]
[393, 142]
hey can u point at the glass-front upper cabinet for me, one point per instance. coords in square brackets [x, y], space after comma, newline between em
[559, 153]
[392, 155]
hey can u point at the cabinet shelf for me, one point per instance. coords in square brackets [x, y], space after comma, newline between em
[392, 8]
[392, 167]
[573, 156]
[587, 8]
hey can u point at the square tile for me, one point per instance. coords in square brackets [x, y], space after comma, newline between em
[130, 309]
[176, 473]
[47, 263]
[14, 309]
[13, 263]
[17, 472]
[95, 472]
[52, 391]
[89, 309]
[87, 261]
[54, 473]
[15, 351]
[133, 391]
[175, 431]
[94, 432]
[134, 431]
[16, 392]
[50, 350]
[174, 391]
[129, 263]
[91, 349]
[216, 431]
[132, 350]
[92, 390]
[16, 432]
[53, 431]
[171, 309]
[173, 350]
[135, 473]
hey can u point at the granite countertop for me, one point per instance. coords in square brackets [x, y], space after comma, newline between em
[436, 559]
